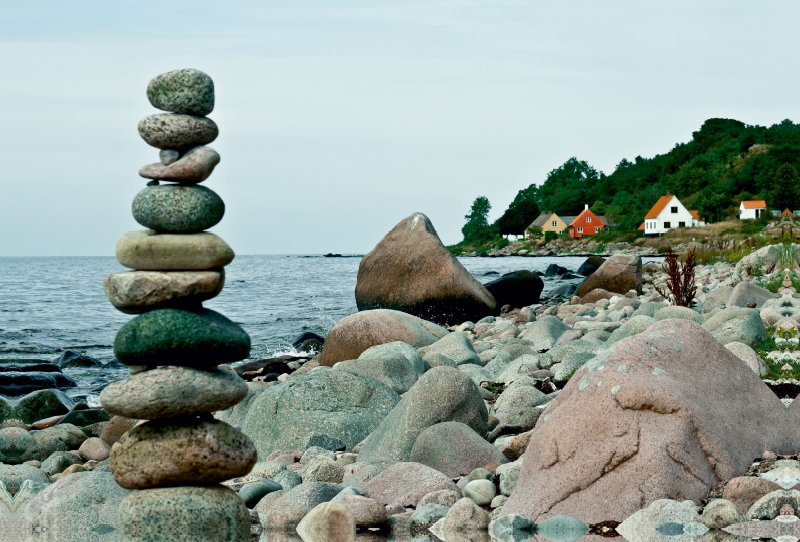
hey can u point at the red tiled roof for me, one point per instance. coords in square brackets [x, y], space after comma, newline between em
[755, 204]
[642, 226]
[695, 215]
[659, 206]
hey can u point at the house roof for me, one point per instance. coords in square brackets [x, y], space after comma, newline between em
[696, 215]
[542, 219]
[755, 204]
[642, 226]
[567, 219]
[602, 218]
[659, 206]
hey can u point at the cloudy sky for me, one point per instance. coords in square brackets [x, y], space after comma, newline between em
[339, 118]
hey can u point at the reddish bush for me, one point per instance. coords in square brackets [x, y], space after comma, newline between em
[681, 288]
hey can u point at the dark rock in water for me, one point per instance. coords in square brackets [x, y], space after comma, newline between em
[15, 384]
[82, 418]
[202, 338]
[591, 265]
[564, 290]
[331, 255]
[490, 273]
[311, 346]
[553, 270]
[43, 367]
[178, 209]
[39, 405]
[410, 270]
[517, 289]
[569, 276]
[70, 358]
[306, 336]
[618, 274]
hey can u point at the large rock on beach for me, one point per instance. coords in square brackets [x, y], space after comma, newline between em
[202, 339]
[77, 508]
[353, 334]
[666, 402]
[747, 294]
[442, 394]
[172, 208]
[454, 449]
[15, 384]
[736, 324]
[619, 274]
[38, 405]
[517, 289]
[288, 510]
[455, 347]
[340, 404]
[410, 270]
[147, 250]
[177, 131]
[396, 349]
[765, 260]
[172, 391]
[184, 514]
[193, 167]
[395, 372]
[406, 483]
[134, 292]
[186, 91]
[592, 264]
[161, 453]
[543, 334]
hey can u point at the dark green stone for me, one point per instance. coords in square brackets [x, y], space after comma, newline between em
[201, 338]
[182, 91]
[178, 209]
[82, 418]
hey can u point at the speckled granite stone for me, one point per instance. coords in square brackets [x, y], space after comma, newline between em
[174, 208]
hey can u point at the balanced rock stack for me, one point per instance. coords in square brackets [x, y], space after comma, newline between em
[173, 347]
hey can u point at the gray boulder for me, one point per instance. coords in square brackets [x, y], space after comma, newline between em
[236, 414]
[454, 449]
[736, 324]
[393, 350]
[716, 299]
[443, 394]
[684, 313]
[649, 308]
[477, 374]
[570, 364]
[455, 347]
[517, 396]
[637, 324]
[396, 372]
[286, 511]
[340, 404]
[406, 483]
[747, 294]
[544, 333]
[766, 259]
[749, 356]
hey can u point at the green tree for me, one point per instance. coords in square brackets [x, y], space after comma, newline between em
[534, 233]
[522, 211]
[786, 189]
[569, 187]
[477, 224]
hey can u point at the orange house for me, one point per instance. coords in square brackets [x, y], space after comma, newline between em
[586, 223]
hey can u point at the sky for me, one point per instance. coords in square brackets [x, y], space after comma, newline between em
[339, 118]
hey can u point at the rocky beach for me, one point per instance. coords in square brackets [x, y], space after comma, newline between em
[570, 403]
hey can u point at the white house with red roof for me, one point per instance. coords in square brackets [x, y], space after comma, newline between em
[752, 209]
[667, 214]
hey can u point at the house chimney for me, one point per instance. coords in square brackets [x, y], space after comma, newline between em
[585, 206]
[668, 193]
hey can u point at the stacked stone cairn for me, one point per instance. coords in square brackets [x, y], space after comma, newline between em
[180, 455]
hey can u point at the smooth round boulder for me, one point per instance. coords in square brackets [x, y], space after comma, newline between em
[148, 250]
[176, 131]
[202, 338]
[184, 514]
[517, 289]
[193, 167]
[94, 449]
[172, 392]
[172, 208]
[454, 449]
[480, 491]
[186, 91]
[186, 451]
[328, 522]
[135, 292]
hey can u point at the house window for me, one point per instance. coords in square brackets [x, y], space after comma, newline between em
[554, 224]
[681, 224]
[674, 209]
[580, 230]
[588, 219]
[667, 225]
[597, 230]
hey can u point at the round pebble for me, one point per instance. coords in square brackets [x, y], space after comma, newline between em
[182, 91]
[480, 491]
[94, 449]
[172, 391]
[185, 451]
[184, 514]
[254, 492]
[176, 131]
[173, 208]
[202, 339]
[328, 522]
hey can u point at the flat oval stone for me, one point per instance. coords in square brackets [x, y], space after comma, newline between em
[201, 338]
[182, 91]
[161, 453]
[148, 250]
[176, 131]
[193, 167]
[184, 514]
[134, 292]
[171, 392]
[173, 208]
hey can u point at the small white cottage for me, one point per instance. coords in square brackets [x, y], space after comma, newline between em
[667, 214]
[752, 209]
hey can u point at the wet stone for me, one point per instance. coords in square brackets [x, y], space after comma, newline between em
[202, 338]
[178, 209]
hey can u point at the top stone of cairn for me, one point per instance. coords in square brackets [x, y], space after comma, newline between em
[182, 91]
